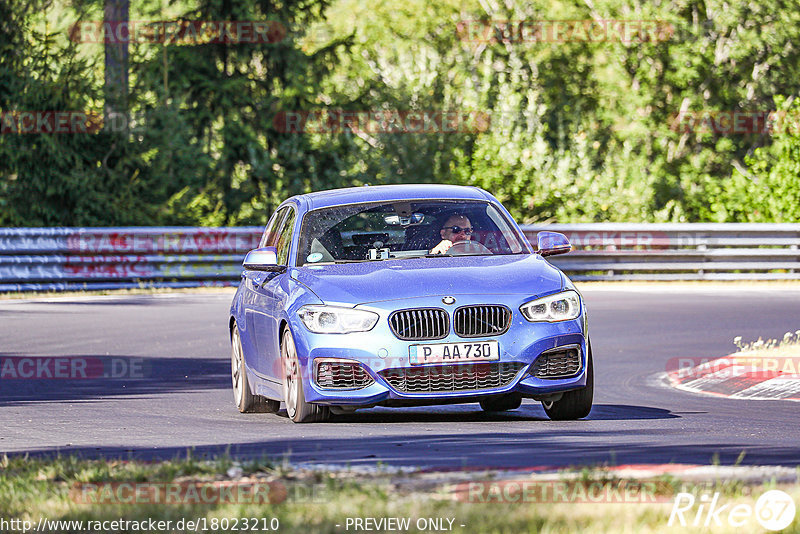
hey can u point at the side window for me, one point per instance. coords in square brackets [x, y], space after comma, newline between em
[285, 239]
[270, 235]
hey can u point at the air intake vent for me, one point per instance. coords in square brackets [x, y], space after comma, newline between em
[419, 324]
[479, 321]
[443, 378]
[562, 362]
[335, 374]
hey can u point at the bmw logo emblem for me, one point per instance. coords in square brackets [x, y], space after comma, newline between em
[449, 300]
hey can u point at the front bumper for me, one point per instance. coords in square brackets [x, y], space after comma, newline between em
[379, 350]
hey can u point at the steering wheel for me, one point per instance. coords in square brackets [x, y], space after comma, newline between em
[468, 247]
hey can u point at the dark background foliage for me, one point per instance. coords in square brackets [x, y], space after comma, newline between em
[579, 130]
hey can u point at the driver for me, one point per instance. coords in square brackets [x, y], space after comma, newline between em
[456, 228]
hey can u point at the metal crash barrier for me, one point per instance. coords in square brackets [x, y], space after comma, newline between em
[58, 259]
[678, 251]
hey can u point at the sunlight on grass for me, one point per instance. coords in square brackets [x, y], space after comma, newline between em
[318, 501]
[787, 347]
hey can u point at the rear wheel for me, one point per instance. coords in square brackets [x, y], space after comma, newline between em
[297, 408]
[510, 401]
[574, 404]
[245, 401]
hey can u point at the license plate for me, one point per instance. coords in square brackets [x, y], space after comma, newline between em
[472, 351]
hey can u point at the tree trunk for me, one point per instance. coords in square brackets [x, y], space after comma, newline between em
[117, 35]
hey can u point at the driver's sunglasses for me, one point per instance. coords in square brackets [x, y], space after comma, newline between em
[459, 229]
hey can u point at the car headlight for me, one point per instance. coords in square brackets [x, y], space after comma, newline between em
[559, 307]
[335, 320]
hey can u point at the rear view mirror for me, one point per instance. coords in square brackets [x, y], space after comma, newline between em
[552, 243]
[413, 219]
[263, 259]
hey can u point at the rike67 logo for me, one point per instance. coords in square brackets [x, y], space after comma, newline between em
[774, 510]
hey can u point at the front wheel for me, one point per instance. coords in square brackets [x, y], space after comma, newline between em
[574, 404]
[245, 401]
[297, 408]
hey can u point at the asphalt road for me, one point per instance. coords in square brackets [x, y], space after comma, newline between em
[179, 346]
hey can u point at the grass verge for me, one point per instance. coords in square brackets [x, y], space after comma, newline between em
[787, 347]
[302, 500]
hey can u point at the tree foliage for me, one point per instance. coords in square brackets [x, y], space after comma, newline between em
[577, 130]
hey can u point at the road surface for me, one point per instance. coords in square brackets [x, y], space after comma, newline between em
[172, 354]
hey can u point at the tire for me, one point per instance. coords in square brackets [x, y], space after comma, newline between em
[510, 401]
[574, 404]
[245, 401]
[297, 408]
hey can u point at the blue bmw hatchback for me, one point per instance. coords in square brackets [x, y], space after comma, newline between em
[406, 295]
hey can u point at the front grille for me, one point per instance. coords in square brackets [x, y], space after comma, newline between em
[444, 378]
[419, 324]
[332, 374]
[479, 321]
[559, 363]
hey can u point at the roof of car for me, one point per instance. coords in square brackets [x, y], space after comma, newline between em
[378, 193]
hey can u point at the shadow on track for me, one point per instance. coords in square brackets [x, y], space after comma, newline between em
[529, 411]
[624, 412]
[117, 301]
[552, 447]
[91, 377]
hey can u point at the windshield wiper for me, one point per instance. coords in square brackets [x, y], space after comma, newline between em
[337, 262]
[446, 255]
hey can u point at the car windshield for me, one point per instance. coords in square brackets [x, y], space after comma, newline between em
[405, 229]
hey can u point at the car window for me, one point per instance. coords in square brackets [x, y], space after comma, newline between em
[270, 234]
[396, 230]
[285, 238]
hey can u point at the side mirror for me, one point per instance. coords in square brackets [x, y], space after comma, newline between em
[552, 243]
[263, 259]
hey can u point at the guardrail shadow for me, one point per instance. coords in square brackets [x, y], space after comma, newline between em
[555, 447]
[36, 379]
[146, 299]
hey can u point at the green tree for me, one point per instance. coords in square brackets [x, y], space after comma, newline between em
[201, 146]
[768, 190]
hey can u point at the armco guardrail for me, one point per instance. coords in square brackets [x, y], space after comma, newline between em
[676, 251]
[53, 259]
